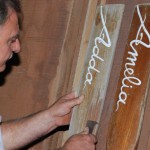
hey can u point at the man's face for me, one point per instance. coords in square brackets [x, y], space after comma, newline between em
[9, 42]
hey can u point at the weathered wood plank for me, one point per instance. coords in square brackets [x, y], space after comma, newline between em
[68, 58]
[91, 7]
[132, 87]
[94, 65]
[144, 139]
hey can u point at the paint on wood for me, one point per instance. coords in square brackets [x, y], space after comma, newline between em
[94, 65]
[130, 97]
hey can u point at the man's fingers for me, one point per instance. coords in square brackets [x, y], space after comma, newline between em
[75, 101]
[93, 138]
[90, 137]
[71, 95]
[72, 102]
[66, 119]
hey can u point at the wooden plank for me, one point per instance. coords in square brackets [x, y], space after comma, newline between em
[120, 48]
[94, 65]
[132, 87]
[68, 58]
[144, 139]
[102, 2]
[90, 14]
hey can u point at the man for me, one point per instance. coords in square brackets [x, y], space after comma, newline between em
[17, 134]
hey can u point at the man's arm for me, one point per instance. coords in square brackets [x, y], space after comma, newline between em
[19, 133]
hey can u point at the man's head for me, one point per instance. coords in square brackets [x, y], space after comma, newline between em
[10, 12]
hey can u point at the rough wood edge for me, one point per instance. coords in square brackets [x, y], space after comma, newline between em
[84, 43]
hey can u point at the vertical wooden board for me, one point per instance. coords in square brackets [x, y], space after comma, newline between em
[94, 64]
[133, 84]
[86, 30]
[120, 48]
[68, 58]
[144, 139]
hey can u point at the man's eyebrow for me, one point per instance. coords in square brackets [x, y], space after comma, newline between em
[14, 37]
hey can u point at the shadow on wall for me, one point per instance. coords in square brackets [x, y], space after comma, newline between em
[14, 61]
[62, 128]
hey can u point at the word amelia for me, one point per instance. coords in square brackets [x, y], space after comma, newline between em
[132, 58]
[95, 51]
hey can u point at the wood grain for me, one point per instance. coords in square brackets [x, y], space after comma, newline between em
[89, 16]
[115, 72]
[68, 58]
[95, 92]
[126, 123]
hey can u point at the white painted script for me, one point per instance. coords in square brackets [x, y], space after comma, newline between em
[95, 52]
[132, 58]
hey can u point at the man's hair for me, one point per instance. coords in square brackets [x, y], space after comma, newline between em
[4, 9]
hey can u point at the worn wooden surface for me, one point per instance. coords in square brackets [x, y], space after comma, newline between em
[94, 65]
[91, 7]
[69, 55]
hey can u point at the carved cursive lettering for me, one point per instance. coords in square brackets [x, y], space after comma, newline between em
[95, 52]
[132, 58]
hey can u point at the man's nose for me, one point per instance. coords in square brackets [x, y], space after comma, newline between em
[16, 46]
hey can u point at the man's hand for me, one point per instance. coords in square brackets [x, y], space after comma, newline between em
[39, 124]
[61, 110]
[82, 141]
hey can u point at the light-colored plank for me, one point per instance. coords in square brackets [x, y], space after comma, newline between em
[90, 14]
[94, 65]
